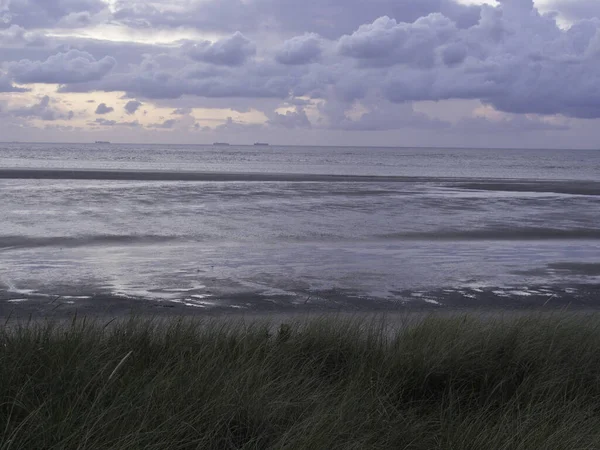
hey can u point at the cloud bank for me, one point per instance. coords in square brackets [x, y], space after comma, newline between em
[338, 65]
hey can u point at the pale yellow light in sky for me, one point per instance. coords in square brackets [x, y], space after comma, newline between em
[542, 5]
[538, 3]
[148, 114]
[119, 33]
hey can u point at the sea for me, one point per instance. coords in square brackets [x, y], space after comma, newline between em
[245, 228]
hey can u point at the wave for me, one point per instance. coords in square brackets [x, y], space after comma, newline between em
[19, 242]
[512, 234]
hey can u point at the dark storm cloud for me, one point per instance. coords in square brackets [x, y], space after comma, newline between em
[103, 109]
[73, 66]
[48, 13]
[230, 51]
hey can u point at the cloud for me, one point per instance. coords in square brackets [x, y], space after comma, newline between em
[454, 54]
[48, 13]
[105, 122]
[291, 119]
[363, 63]
[513, 58]
[103, 109]
[73, 66]
[230, 51]
[167, 124]
[182, 111]
[377, 115]
[232, 127]
[328, 18]
[299, 50]
[262, 80]
[15, 35]
[7, 86]
[113, 123]
[184, 121]
[386, 42]
[42, 110]
[132, 106]
[575, 10]
[511, 124]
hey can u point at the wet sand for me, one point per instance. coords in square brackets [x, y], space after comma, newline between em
[574, 187]
[164, 175]
[479, 299]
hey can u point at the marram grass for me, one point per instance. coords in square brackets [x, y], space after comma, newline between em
[530, 382]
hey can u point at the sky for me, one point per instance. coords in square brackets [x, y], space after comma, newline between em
[434, 73]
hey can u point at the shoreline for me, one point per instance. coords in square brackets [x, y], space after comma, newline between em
[589, 187]
[571, 297]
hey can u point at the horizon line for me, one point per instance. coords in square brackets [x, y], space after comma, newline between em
[310, 146]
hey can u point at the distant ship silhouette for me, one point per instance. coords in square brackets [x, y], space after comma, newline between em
[102, 142]
[222, 144]
[261, 144]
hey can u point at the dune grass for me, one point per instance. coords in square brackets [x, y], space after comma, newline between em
[530, 382]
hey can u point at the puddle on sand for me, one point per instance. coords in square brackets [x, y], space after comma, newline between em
[431, 301]
[520, 293]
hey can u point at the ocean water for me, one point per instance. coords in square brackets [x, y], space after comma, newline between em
[199, 225]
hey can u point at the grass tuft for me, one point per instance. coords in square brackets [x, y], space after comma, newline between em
[528, 382]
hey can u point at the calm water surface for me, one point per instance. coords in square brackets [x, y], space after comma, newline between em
[453, 219]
